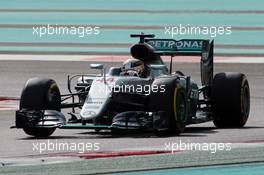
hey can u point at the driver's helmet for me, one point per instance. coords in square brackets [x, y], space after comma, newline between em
[133, 67]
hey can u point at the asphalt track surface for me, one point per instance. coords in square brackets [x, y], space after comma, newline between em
[18, 156]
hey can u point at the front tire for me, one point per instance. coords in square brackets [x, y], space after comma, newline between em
[40, 94]
[230, 100]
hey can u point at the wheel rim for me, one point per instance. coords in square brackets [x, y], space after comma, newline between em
[53, 97]
[181, 107]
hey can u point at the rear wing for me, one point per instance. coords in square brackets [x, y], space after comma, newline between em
[149, 48]
[188, 47]
[177, 47]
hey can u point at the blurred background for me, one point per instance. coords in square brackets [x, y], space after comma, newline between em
[119, 18]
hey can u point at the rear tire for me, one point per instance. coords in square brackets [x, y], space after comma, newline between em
[230, 100]
[40, 94]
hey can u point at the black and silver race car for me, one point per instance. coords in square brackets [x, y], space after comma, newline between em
[155, 98]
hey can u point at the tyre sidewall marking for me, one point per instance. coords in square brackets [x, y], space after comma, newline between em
[176, 117]
[175, 104]
[242, 98]
[51, 87]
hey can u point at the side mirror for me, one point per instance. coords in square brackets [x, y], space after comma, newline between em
[97, 66]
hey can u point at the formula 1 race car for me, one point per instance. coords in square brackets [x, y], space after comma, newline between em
[143, 94]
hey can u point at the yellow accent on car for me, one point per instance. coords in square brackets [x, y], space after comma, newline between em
[174, 103]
